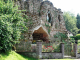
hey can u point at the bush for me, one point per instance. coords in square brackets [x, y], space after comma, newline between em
[62, 35]
[11, 24]
[72, 36]
[78, 36]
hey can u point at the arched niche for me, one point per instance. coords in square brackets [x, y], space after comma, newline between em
[49, 17]
[40, 34]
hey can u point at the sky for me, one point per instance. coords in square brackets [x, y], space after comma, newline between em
[67, 5]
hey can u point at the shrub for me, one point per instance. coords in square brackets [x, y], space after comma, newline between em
[11, 24]
[72, 39]
[62, 35]
[78, 36]
[47, 49]
[72, 36]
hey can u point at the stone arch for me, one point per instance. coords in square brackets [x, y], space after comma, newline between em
[39, 33]
[46, 2]
[45, 6]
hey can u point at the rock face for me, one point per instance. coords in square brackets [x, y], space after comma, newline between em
[45, 18]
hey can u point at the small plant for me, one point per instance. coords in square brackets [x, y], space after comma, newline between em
[56, 25]
[78, 50]
[47, 49]
[49, 31]
[43, 57]
[72, 53]
[47, 25]
[56, 35]
[46, 57]
[34, 55]
[50, 56]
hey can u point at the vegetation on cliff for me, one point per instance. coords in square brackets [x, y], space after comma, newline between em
[11, 24]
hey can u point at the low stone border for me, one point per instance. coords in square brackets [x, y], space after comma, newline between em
[29, 54]
[47, 55]
[51, 55]
[78, 55]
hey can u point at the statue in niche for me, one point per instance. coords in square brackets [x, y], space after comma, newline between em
[49, 17]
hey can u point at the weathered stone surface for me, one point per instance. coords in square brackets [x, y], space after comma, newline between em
[39, 13]
[52, 55]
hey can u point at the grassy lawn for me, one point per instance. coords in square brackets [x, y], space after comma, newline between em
[14, 56]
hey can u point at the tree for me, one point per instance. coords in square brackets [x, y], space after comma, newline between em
[78, 22]
[11, 24]
[70, 22]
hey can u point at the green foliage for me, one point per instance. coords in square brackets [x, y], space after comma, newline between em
[78, 21]
[14, 56]
[70, 22]
[11, 24]
[58, 49]
[47, 25]
[72, 36]
[78, 36]
[67, 49]
[56, 25]
[62, 35]
[49, 31]
[50, 47]
[56, 35]
[72, 39]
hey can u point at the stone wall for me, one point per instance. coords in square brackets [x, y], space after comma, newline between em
[44, 55]
[29, 54]
[78, 55]
[39, 54]
[23, 46]
[52, 55]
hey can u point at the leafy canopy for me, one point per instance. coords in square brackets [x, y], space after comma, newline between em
[70, 22]
[11, 24]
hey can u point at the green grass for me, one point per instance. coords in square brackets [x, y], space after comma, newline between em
[14, 56]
